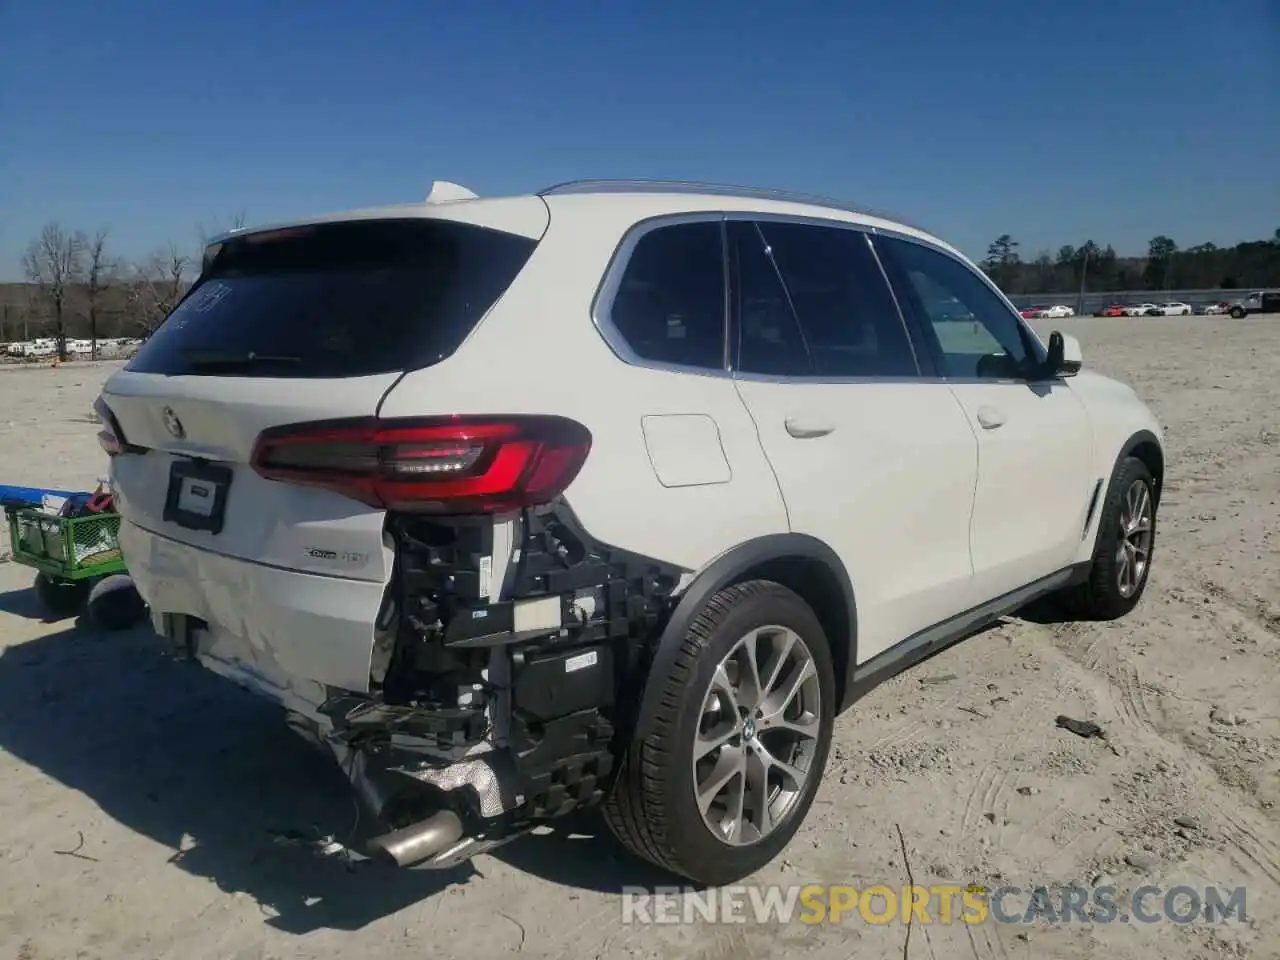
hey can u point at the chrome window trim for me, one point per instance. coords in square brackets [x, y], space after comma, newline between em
[607, 291]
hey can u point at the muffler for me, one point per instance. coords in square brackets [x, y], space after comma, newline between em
[418, 841]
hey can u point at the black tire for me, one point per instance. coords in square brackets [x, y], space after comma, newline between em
[1237, 313]
[115, 604]
[61, 598]
[652, 809]
[1100, 597]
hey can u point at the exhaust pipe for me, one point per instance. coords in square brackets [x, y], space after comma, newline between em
[418, 841]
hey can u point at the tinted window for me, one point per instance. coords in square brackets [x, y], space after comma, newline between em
[670, 301]
[975, 333]
[848, 323]
[769, 338]
[336, 300]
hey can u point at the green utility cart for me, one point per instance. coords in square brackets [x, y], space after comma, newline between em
[73, 546]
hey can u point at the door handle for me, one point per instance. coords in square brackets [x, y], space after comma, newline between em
[806, 429]
[990, 418]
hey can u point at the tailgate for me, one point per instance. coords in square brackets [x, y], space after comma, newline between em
[191, 481]
[302, 324]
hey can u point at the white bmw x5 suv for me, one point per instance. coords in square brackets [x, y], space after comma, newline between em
[614, 494]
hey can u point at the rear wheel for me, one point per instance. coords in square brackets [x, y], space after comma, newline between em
[114, 603]
[1125, 544]
[61, 598]
[740, 739]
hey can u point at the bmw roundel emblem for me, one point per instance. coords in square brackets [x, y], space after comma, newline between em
[173, 424]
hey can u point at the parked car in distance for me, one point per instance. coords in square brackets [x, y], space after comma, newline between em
[654, 591]
[1213, 308]
[1142, 310]
[1058, 312]
[1031, 313]
[1175, 309]
[1114, 310]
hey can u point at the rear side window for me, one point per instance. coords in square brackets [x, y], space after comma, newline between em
[336, 300]
[670, 304]
[845, 321]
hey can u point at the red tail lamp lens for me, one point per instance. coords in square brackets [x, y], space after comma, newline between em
[437, 465]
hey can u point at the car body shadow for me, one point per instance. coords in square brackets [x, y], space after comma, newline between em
[190, 760]
[24, 603]
[1047, 612]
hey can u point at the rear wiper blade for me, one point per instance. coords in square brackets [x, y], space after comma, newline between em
[222, 360]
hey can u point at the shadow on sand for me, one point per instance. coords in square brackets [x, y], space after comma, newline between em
[25, 604]
[193, 762]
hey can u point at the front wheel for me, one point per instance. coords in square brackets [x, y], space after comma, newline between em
[739, 743]
[1237, 313]
[1123, 551]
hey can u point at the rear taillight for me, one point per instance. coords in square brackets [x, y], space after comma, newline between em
[438, 465]
[110, 437]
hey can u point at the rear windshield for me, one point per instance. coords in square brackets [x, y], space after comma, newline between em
[336, 300]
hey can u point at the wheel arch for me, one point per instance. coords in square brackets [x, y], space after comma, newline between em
[803, 564]
[1146, 446]
[1143, 444]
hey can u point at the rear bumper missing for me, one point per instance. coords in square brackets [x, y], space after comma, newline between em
[492, 685]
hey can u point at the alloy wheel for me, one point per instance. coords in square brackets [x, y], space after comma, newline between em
[757, 735]
[1133, 549]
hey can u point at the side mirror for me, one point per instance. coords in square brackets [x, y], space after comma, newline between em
[1064, 359]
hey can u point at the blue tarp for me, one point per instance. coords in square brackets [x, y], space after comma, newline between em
[31, 496]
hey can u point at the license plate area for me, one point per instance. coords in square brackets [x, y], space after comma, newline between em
[197, 496]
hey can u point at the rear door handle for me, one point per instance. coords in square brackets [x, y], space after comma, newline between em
[803, 429]
[990, 418]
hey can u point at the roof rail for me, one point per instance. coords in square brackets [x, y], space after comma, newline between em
[571, 187]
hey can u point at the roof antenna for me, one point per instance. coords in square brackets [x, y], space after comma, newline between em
[442, 191]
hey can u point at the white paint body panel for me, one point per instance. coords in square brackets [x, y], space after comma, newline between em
[1035, 478]
[685, 450]
[569, 370]
[890, 488]
[1115, 413]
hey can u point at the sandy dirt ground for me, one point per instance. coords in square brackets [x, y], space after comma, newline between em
[147, 804]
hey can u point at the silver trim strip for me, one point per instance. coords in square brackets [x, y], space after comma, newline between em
[606, 292]
[695, 188]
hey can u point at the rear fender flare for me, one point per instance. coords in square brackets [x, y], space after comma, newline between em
[745, 562]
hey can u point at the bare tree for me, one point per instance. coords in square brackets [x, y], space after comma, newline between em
[54, 262]
[99, 276]
[157, 285]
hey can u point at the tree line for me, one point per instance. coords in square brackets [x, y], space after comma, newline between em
[76, 287]
[1250, 264]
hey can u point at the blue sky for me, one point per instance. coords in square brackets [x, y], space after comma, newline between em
[1056, 122]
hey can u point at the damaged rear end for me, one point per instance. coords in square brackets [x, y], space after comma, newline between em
[498, 693]
[415, 591]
